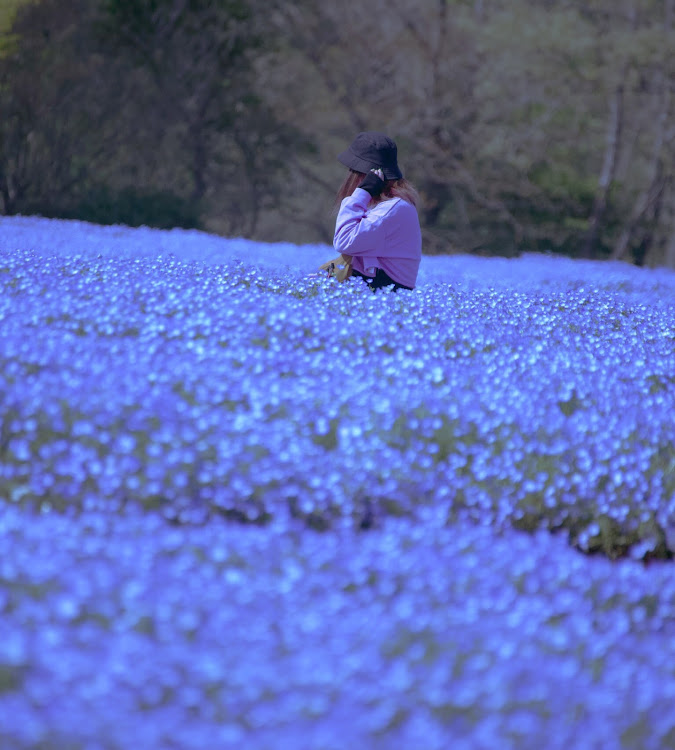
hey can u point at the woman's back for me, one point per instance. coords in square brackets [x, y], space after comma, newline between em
[382, 235]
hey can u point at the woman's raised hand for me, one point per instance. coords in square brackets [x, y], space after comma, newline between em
[373, 182]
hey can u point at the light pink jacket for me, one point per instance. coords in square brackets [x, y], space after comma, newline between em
[383, 235]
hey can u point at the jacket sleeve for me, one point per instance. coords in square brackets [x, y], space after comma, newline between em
[356, 231]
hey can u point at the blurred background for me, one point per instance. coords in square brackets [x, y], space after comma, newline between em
[527, 125]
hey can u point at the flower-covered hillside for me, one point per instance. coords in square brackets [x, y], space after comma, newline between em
[258, 393]
[246, 506]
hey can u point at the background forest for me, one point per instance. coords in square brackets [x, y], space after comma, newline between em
[527, 125]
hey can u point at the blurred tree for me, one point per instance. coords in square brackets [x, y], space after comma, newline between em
[138, 111]
[553, 73]
[55, 92]
[633, 43]
[198, 100]
[25, 99]
[648, 231]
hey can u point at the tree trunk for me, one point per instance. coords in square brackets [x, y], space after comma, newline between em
[669, 258]
[646, 200]
[4, 197]
[11, 196]
[612, 143]
[653, 189]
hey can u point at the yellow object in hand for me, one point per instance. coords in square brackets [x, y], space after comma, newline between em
[340, 267]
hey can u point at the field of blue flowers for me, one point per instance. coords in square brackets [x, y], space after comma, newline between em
[244, 507]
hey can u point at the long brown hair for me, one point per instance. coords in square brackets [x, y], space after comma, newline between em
[392, 189]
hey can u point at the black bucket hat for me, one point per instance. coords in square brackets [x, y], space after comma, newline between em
[372, 150]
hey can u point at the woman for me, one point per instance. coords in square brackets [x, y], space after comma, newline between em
[377, 230]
